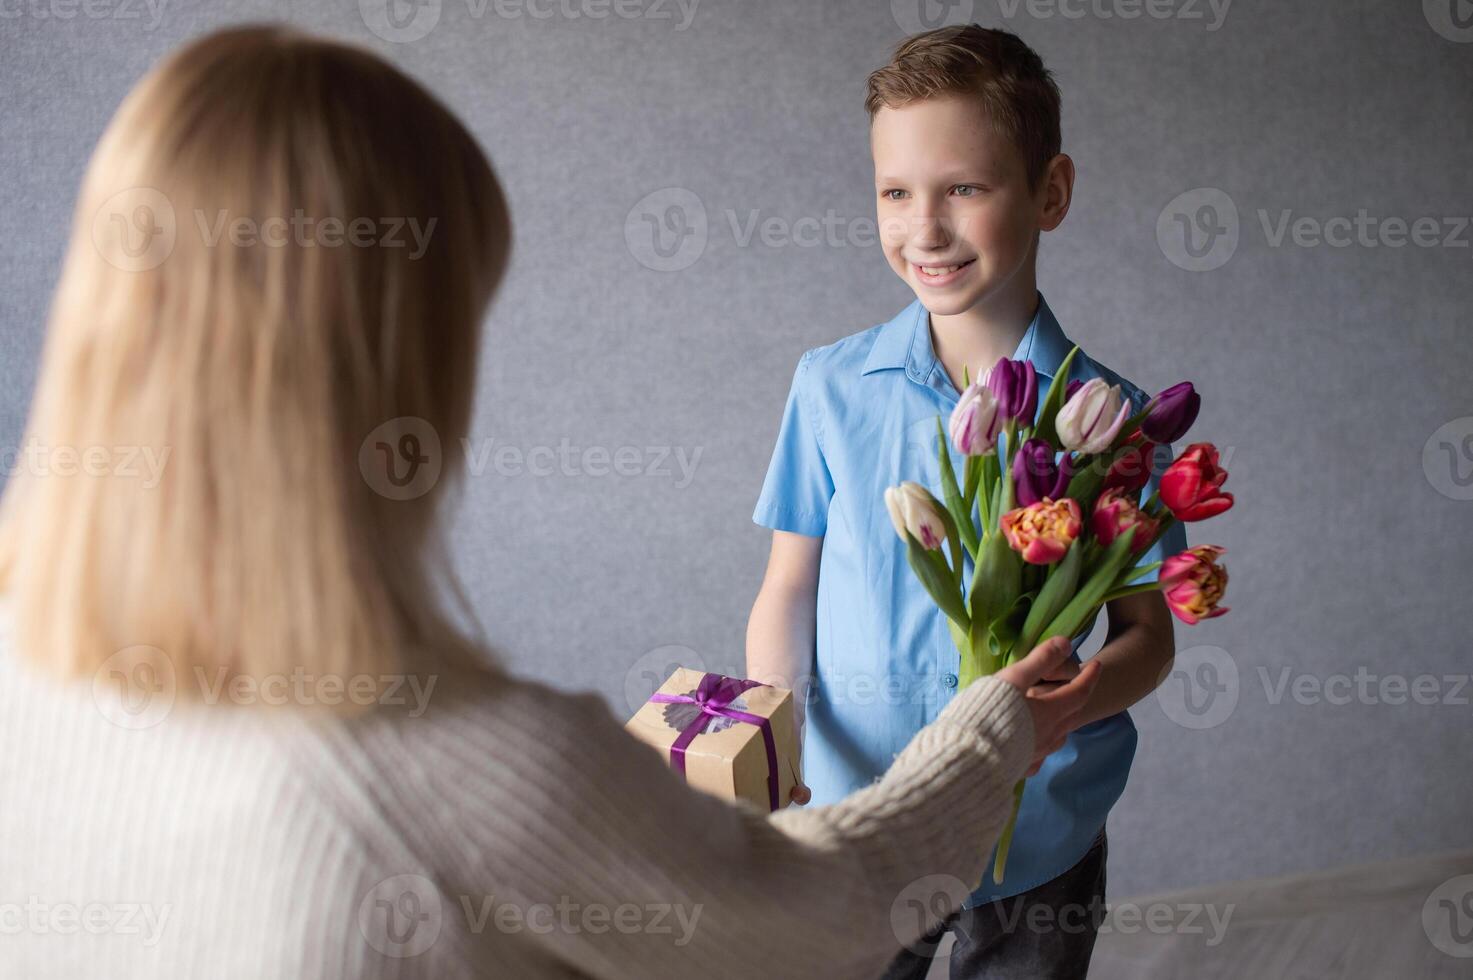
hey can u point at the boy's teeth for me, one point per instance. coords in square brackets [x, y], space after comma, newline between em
[935, 270]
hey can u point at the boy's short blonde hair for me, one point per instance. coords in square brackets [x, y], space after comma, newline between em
[995, 67]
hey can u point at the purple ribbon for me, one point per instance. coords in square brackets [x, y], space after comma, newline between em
[713, 695]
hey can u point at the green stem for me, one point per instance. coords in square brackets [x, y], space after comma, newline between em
[1131, 590]
[1005, 503]
[1006, 840]
[955, 547]
[976, 466]
[1140, 571]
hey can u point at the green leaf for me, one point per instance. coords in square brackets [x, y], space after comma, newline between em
[1089, 476]
[1139, 572]
[955, 569]
[931, 569]
[961, 512]
[1121, 593]
[1087, 599]
[1054, 401]
[1057, 590]
[959, 637]
[996, 581]
[977, 640]
[1009, 630]
[972, 471]
[1129, 427]
[975, 661]
[996, 506]
[986, 490]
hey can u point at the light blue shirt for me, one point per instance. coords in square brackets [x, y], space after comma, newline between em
[860, 417]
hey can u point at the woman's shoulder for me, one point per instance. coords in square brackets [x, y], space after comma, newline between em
[470, 715]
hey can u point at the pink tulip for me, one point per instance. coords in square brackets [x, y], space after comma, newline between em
[1193, 583]
[1115, 513]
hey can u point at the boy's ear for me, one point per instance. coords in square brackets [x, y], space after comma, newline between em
[1057, 192]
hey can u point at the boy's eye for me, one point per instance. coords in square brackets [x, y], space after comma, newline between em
[966, 190]
[893, 194]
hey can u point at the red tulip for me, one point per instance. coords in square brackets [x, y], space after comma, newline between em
[1190, 485]
[1193, 583]
[1115, 513]
[1132, 470]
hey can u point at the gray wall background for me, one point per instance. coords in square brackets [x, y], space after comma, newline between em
[1335, 378]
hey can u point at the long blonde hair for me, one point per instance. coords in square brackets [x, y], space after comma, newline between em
[245, 300]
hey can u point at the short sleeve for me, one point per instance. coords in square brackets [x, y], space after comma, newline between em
[796, 493]
[1175, 538]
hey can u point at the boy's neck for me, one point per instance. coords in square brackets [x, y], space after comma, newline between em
[980, 336]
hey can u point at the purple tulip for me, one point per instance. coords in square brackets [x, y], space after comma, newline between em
[1035, 475]
[1015, 385]
[1170, 414]
[1074, 386]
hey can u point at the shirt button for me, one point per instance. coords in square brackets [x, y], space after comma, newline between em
[949, 680]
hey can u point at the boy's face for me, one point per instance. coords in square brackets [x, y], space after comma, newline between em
[956, 218]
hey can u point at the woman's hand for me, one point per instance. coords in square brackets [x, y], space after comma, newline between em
[1054, 697]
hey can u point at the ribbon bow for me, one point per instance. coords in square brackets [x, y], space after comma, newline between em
[713, 696]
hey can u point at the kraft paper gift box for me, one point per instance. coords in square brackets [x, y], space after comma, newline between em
[731, 737]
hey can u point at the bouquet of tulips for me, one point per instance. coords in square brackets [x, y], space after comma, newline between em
[1051, 537]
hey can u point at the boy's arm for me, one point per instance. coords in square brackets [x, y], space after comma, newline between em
[1138, 647]
[1140, 642]
[781, 627]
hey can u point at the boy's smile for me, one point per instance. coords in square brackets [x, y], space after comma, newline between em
[937, 276]
[957, 220]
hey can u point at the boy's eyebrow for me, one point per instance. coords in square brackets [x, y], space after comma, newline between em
[979, 173]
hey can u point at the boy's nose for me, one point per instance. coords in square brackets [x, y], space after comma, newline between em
[931, 232]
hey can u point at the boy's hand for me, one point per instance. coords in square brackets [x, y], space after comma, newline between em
[1060, 674]
[1053, 700]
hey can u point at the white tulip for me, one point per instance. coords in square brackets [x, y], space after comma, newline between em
[1089, 422]
[912, 509]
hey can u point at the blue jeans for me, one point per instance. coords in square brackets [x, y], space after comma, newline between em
[1046, 933]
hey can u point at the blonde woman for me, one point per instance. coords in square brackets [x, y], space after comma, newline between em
[240, 736]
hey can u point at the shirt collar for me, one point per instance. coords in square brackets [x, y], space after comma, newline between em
[905, 342]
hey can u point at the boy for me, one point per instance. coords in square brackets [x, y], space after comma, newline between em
[968, 172]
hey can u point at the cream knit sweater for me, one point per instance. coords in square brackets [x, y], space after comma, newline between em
[507, 830]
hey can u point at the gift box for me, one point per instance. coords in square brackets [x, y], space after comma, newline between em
[728, 736]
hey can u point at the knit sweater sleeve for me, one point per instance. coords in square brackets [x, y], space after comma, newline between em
[600, 820]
